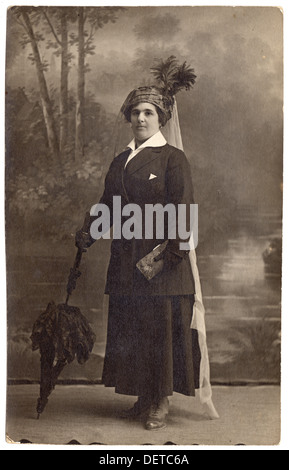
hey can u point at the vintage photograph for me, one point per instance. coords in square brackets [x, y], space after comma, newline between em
[143, 210]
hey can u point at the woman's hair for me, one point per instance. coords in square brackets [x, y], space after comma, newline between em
[162, 117]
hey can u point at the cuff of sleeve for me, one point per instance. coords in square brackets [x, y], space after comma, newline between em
[173, 248]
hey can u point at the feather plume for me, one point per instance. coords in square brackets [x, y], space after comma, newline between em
[173, 77]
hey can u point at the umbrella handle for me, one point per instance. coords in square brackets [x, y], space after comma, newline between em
[74, 271]
[74, 274]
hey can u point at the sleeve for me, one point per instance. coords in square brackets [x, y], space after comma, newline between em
[179, 190]
[103, 207]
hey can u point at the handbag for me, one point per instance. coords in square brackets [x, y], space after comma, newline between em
[148, 266]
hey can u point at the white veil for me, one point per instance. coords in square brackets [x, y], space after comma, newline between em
[172, 131]
[173, 136]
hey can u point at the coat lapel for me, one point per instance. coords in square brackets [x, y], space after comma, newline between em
[122, 160]
[143, 158]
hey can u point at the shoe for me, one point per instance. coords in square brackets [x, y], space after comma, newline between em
[157, 415]
[141, 407]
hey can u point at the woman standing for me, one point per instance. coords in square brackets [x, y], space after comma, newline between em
[151, 349]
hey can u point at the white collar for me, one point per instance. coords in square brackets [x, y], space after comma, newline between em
[157, 140]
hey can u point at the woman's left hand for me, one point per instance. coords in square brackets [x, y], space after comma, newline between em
[170, 259]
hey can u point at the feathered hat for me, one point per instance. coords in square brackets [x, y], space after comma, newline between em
[171, 78]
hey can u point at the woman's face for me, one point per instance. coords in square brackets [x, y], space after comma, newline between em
[144, 121]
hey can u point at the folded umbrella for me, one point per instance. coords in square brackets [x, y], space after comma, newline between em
[61, 333]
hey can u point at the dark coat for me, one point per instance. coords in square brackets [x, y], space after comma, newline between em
[173, 185]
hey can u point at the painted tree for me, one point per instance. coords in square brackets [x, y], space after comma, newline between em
[56, 23]
[90, 19]
[27, 17]
[79, 113]
[58, 20]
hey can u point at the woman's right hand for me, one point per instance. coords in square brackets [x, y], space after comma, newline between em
[83, 240]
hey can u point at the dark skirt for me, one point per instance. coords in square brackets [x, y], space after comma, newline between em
[151, 349]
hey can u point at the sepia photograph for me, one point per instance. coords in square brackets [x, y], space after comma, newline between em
[143, 225]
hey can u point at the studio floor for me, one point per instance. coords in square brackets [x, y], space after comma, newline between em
[90, 415]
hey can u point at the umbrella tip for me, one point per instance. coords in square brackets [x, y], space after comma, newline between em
[38, 415]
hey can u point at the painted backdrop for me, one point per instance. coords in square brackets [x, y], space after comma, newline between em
[68, 70]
